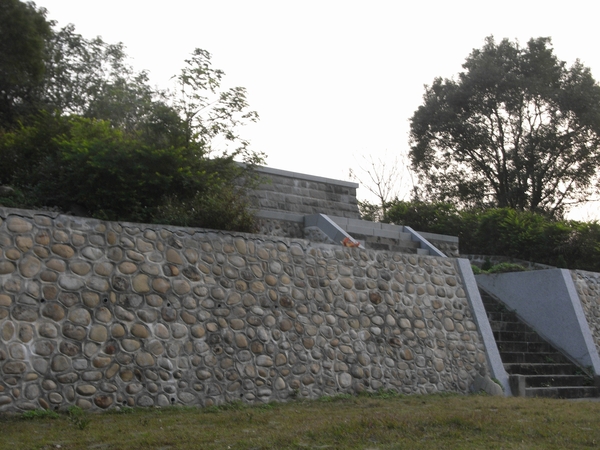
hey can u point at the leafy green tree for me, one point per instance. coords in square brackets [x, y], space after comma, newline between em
[101, 141]
[24, 31]
[91, 166]
[91, 78]
[211, 116]
[517, 129]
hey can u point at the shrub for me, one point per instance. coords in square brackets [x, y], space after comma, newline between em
[507, 232]
[506, 267]
[88, 165]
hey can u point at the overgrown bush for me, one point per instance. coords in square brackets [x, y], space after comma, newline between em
[89, 166]
[222, 209]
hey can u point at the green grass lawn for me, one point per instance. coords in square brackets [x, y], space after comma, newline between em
[364, 422]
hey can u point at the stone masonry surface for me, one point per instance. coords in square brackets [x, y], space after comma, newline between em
[104, 314]
[305, 194]
[280, 228]
[447, 248]
[588, 290]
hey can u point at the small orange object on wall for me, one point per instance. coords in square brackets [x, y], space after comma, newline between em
[347, 242]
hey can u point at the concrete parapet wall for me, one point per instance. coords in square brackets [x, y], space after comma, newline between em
[389, 237]
[104, 314]
[299, 193]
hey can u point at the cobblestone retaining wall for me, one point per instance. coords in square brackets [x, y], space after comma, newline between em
[588, 289]
[102, 314]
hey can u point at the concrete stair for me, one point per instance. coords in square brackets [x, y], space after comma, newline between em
[381, 236]
[535, 368]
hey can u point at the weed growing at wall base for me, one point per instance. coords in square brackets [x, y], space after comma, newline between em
[78, 417]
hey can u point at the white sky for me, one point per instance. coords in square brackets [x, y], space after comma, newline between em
[332, 80]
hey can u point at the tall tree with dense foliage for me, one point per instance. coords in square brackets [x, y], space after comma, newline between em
[24, 32]
[101, 141]
[517, 128]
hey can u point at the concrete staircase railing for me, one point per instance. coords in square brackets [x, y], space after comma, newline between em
[383, 236]
[547, 300]
[535, 367]
[375, 235]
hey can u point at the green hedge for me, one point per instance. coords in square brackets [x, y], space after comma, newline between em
[506, 232]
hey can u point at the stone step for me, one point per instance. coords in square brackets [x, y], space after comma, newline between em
[393, 245]
[394, 248]
[528, 336]
[388, 237]
[552, 386]
[541, 368]
[562, 392]
[556, 380]
[491, 306]
[527, 357]
[368, 228]
[509, 326]
[535, 367]
[505, 316]
[385, 241]
[524, 347]
[371, 229]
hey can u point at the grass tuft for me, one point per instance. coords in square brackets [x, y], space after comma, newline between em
[78, 417]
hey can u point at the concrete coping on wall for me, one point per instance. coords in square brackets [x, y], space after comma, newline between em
[483, 324]
[81, 222]
[439, 237]
[345, 221]
[303, 176]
